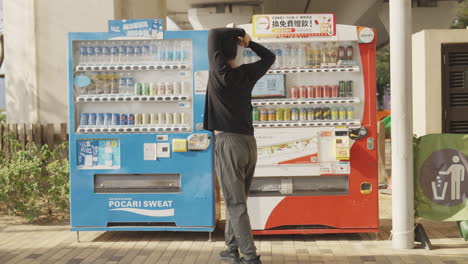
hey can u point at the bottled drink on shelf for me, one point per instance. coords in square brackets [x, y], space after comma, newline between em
[145, 52]
[98, 53]
[137, 57]
[162, 55]
[83, 58]
[317, 51]
[302, 56]
[286, 56]
[341, 53]
[186, 51]
[122, 53]
[114, 53]
[115, 84]
[279, 56]
[170, 52]
[130, 84]
[130, 52]
[349, 53]
[105, 54]
[333, 52]
[90, 53]
[325, 54]
[123, 85]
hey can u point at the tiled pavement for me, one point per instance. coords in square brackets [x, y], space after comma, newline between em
[24, 243]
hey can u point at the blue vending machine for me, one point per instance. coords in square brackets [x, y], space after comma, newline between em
[139, 159]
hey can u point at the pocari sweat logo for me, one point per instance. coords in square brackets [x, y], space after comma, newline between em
[155, 208]
[115, 29]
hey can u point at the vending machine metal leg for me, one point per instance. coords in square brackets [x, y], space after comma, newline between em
[78, 236]
[209, 236]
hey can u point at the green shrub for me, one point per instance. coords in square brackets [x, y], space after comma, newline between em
[34, 180]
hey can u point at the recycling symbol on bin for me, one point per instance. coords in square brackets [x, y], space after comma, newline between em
[444, 177]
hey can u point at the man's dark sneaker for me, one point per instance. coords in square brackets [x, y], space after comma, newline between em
[251, 261]
[231, 256]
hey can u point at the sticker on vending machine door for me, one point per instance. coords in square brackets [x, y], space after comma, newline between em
[98, 154]
[201, 81]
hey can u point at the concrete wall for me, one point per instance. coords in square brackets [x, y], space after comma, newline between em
[36, 48]
[427, 77]
[53, 24]
[21, 59]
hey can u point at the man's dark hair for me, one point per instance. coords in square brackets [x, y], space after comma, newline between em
[229, 47]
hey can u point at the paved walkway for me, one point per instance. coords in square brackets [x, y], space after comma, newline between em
[24, 243]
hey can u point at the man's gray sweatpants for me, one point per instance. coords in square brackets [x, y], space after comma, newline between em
[235, 158]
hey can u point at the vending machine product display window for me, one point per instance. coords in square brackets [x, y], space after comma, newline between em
[311, 166]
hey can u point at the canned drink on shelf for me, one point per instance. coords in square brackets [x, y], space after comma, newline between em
[84, 119]
[303, 114]
[334, 113]
[169, 119]
[342, 113]
[318, 113]
[91, 119]
[334, 91]
[100, 119]
[115, 119]
[310, 91]
[153, 89]
[146, 89]
[310, 114]
[303, 92]
[177, 119]
[294, 114]
[161, 88]
[255, 114]
[287, 114]
[349, 88]
[161, 119]
[169, 88]
[145, 119]
[279, 114]
[138, 119]
[184, 118]
[130, 119]
[263, 115]
[294, 92]
[350, 112]
[319, 91]
[107, 119]
[123, 120]
[177, 88]
[326, 91]
[326, 113]
[271, 115]
[154, 119]
[342, 89]
[137, 89]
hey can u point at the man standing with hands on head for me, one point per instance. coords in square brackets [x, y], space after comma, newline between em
[228, 112]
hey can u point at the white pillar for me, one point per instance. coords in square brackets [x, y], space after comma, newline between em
[402, 130]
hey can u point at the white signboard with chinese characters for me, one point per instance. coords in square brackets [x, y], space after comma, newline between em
[293, 25]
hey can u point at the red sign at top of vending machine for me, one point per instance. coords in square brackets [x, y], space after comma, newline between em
[294, 25]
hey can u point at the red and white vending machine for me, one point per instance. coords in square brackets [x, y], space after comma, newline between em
[315, 124]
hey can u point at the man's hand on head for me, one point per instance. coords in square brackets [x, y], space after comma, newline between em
[244, 41]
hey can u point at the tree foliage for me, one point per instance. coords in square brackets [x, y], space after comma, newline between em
[461, 21]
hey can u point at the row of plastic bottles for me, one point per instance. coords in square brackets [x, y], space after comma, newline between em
[134, 52]
[305, 55]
